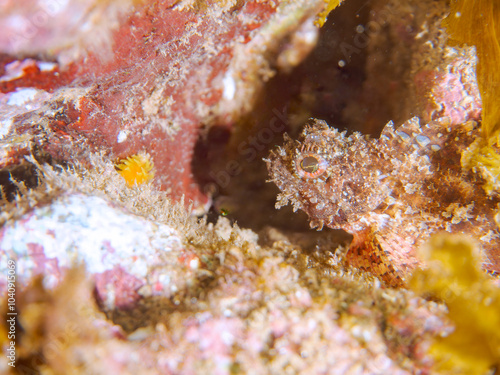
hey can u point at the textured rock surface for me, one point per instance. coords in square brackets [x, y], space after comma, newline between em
[158, 75]
[120, 251]
[181, 296]
[192, 298]
[410, 69]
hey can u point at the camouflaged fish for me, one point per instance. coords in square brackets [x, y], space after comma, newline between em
[390, 193]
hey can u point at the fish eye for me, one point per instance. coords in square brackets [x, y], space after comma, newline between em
[310, 166]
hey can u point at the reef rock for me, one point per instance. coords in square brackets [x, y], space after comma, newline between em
[158, 73]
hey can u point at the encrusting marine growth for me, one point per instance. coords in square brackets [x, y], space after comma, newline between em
[390, 193]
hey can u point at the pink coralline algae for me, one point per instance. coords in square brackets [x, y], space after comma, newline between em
[452, 93]
[337, 332]
[119, 250]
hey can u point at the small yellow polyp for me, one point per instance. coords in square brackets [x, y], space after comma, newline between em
[136, 169]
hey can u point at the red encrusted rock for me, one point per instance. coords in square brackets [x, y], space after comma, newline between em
[117, 287]
[160, 72]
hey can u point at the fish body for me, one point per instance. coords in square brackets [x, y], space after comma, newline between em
[391, 193]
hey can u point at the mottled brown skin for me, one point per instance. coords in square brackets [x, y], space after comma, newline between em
[390, 193]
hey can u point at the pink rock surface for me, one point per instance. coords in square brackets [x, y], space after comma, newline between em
[121, 251]
[452, 93]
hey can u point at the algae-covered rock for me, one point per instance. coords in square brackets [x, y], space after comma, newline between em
[189, 297]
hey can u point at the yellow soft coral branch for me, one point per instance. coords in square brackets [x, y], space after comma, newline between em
[454, 276]
[329, 6]
[477, 22]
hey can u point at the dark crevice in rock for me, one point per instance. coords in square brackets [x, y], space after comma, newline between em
[11, 179]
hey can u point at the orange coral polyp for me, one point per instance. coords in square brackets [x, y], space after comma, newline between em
[136, 169]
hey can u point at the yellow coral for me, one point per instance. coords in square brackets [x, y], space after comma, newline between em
[329, 6]
[454, 275]
[477, 22]
[136, 169]
[485, 160]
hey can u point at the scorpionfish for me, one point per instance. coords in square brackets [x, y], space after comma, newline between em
[391, 193]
